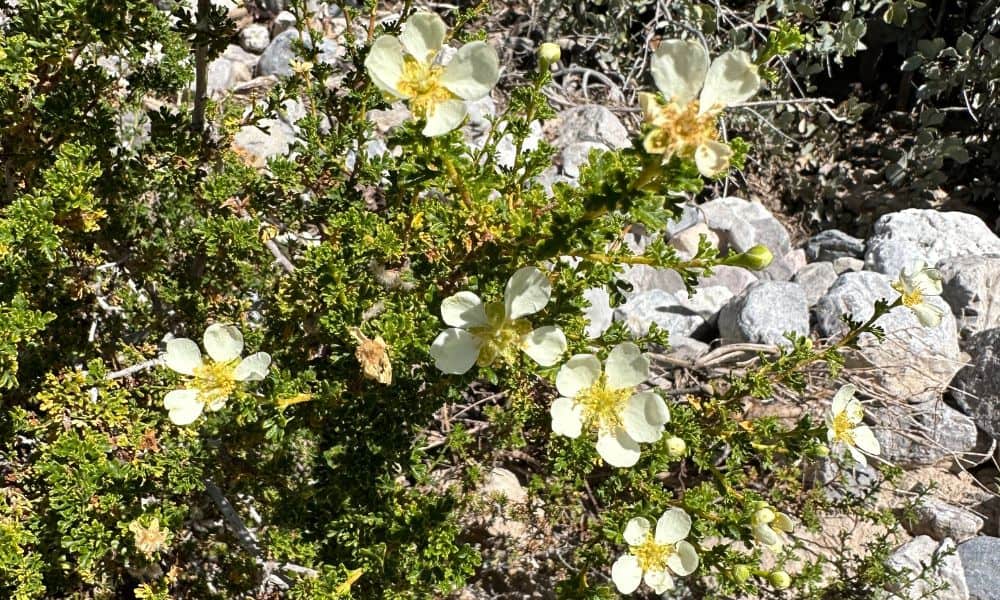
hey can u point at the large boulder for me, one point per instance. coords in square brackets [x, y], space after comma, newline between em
[972, 289]
[941, 520]
[941, 564]
[741, 224]
[976, 388]
[980, 559]
[913, 235]
[914, 363]
[913, 435]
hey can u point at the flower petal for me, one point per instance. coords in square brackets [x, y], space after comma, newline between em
[182, 356]
[455, 350]
[783, 522]
[253, 367]
[841, 398]
[528, 291]
[855, 411]
[673, 526]
[626, 574]
[444, 116]
[659, 580]
[183, 406]
[626, 366]
[928, 314]
[617, 448]
[385, 64]
[679, 68]
[223, 342]
[732, 78]
[858, 456]
[712, 158]
[649, 105]
[636, 531]
[866, 440]
[685, 560]
[567, 417]
[644, 416]
[577, 374]
[545, 345]
[464, 309]
[473, 71]
[423, 34]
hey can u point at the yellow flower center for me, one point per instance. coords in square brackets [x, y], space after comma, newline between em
[909, 298]
[214, 381]
[602, 406]
[679, 130]
[502, 337]
[842, 428]
[652, 556]
[421, 85]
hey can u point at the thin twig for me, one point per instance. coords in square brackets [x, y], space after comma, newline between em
[153, 362]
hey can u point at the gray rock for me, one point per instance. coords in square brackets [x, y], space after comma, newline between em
[224, 75]
[599, 314]
[919, 553]
[686, 241]
[741, 225]
[734, 279]
[664, 308]
[282, 23]
[591, 123]
[577, 155]
[689, 214]
[972, 289]
[257, 146]
[848, 264]
[941, 520]
[277, 58]
[815, 279]
[914, 362]
[832, 244]
[976, 388]
[685, 348]
[764, 312]
[980, 558]
[642, 278]
[902, 238]
[784, 268]
[239, 55]
[840, 481]
[913, 435]
[255, 38]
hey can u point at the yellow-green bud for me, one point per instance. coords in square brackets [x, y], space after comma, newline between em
[780, 580]
[676, 447]
[755, 259]
[549, 54]
[822, 450]
[741, 573]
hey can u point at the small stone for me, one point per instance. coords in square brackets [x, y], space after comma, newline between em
[239, 55]
[277, 58]
[816, 279]
[918, 554]
[979, 559]
[839, 481]
[661, 307]
[971, 286]
[976, 387]
[255, 38]
[591, 123]
[282, 23]
[642, 278]
[741, 225]
[688, 215]
[848, 264]
[599, 314]
[504, 483]
[913, 235]
[686, 242]
[256, 146]
[764, 313]
[734, 279]
[941, 520]
[832, 244]
[223, 75]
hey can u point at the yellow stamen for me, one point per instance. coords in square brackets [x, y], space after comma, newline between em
[602, 406]
[502, 337]
[843, 428]
[680, 130]
[652, 556]
[214, 381]
[421, 85]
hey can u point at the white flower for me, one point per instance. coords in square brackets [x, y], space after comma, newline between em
[770, 527]
[652, 557]
[844, 426]
[408, 68]
[607, 403]
[214, 380]
[154, 54]
[482, 333]
[914, 285]
[686, 125]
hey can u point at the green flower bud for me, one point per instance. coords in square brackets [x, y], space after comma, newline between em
[548, 54]
[780, 580]
[741, 573]
[822, 450]
[755, 259]
[676, 447]
[763, 516]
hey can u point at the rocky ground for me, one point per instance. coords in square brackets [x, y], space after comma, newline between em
[933, 393]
